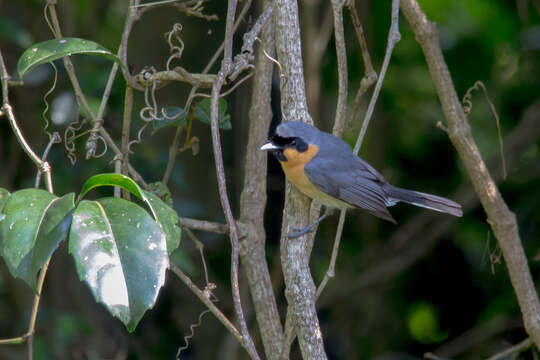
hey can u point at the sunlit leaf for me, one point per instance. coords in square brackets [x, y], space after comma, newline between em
[202, 113]
[51, 50]
[121, 253]
[164, 215]
[36, 222]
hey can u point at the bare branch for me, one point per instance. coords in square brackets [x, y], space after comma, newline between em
[370, 76]
[204, 225]
[300, 289]
[514, 350]
[501, 219]
[393, 37]
[253, 200]
[205, 298]
[226, 68]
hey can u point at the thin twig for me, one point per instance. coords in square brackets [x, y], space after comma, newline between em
[393, 37]
[203, 296]
[192, 93]
[370, 76]
[514, 350]
[226, 68]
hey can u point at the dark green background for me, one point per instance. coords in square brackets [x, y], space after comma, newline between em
[399, 291]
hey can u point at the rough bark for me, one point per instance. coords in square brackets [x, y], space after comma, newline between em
[300, 289]
[253, 201]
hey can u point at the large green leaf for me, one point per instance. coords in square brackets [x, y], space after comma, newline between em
[167, 220]
[36, 222]
[121, 253]
[202, 113]
[164, 215]
[50, 50]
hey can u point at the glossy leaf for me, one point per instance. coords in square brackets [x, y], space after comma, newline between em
[112, 179]
[166, 218]
[50, 50]
[175, 117]
[121, 253]
[202, 113]
[36, 222]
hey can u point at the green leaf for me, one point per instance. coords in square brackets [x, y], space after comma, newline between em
[175, 117]
[50, 50]
[112, 179]
[10, 30]
[52, 232]
[121, 253]
[4, 196]
[202, 113]
[36, 222]
[165, 216]
[162, 191]
[423, 322]
[167, 219]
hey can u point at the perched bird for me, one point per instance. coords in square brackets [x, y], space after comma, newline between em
[324, 168]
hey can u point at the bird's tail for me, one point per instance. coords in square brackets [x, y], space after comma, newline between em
[424, 200]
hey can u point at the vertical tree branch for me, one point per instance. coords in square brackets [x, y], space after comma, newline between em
[226, 67]
[501, 219]
[253, 202]
[343, 75]
[300, 289]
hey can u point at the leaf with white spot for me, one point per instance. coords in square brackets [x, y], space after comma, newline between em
[50, 50]
[165, 216]
[121, 253]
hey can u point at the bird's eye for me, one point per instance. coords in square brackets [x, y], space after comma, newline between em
[301, 145]
[293, 142]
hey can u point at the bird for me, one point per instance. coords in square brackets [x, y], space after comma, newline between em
[323, 167]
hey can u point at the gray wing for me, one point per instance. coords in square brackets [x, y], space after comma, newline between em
[351, 180]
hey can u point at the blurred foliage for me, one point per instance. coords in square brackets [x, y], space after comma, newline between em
[399, 291]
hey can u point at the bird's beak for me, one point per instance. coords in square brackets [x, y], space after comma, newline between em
[269, 146]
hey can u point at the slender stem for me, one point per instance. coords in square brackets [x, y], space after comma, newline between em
[173, 151]
[339, 35]
[393, 37]
[204, 225]
[208, 302]
[226, 68]
[513, 351]
[370, 76]
[126, 128]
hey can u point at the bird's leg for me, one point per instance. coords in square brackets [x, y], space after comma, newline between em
[308, 228]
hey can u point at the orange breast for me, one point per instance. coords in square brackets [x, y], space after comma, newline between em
[295, 172]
